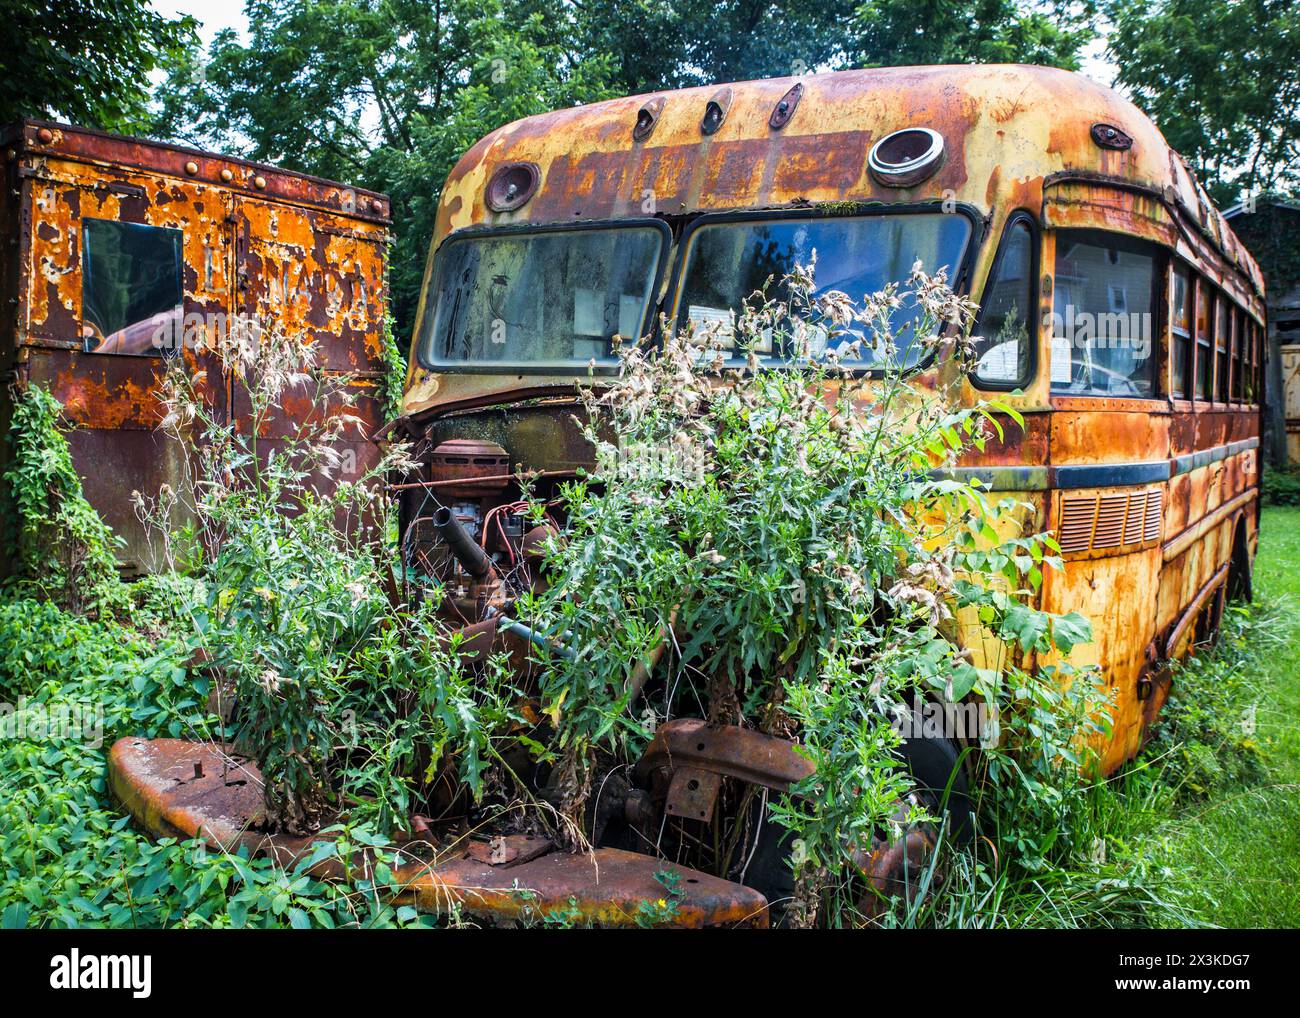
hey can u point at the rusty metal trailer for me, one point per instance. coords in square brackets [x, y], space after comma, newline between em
[117, 250]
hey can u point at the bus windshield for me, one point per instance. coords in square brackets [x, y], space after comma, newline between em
[859, 255]
[542, 299]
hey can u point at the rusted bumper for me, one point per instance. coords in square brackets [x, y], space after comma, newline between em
[175, 788]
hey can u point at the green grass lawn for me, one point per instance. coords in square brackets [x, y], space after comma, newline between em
[1244, 842]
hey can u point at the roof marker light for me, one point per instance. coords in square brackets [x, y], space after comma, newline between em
[715, 111]
[647, 117]
[785, 107]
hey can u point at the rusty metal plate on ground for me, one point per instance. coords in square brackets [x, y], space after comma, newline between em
[175, 788]
[606, 887]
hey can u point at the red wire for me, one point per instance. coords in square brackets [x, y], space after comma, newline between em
[494, 514]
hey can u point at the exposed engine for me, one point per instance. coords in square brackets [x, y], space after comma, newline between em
[468, 534]
[698, 794]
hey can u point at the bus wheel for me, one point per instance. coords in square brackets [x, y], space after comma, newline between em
[896, 867]
[1240, 586]
[942, 787]
[942, 784]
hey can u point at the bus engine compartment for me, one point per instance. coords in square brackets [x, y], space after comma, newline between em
[475, 525]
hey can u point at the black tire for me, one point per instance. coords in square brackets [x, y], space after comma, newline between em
[768, 870]
[1240, 570]
[942, 782]
[941, 779]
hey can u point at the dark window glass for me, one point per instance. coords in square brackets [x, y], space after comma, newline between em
[130, 287]
[857, 255]
[1256, 362]
[1238, 346]
[1222, 335]
[554, 298]
[1004, 347]
[1204, 356]
[1180, 307]
[1103, 320]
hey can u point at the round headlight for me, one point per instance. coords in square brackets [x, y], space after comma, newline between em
[512, 185]
[906, 157]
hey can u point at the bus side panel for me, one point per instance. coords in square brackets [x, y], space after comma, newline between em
[1118, 594]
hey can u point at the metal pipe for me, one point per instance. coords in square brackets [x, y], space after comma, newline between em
[542, 640]
[467, 551]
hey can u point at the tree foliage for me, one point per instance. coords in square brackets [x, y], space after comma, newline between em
[382, 93]
[656, 44]
[87, 61]
[1219, 80]
[971, 31]
[388, 93]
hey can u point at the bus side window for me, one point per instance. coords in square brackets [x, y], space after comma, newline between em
[1204, 362]
[1003, 349]
[1103, 315]
[1256, 361]
[1238, 353]
[1181, 314]
[1222, 333]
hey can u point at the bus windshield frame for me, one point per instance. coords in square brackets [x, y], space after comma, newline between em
[673, 262]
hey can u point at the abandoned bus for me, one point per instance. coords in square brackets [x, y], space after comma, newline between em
[1138, 377]
[1127, 322]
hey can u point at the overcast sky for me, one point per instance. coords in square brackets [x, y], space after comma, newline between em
[212, 15]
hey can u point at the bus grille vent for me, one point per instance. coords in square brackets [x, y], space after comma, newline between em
[1109, 532]
[1077, 518]
[1110, 521]
[1137, 508]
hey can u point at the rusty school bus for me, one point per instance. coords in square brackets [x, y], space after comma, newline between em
[1053, 201]
[1126, 315]
[117, 250]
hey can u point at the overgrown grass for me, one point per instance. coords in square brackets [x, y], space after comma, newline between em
[1241, 841]
[68, 855]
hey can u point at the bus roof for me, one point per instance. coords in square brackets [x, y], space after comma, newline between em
[1011, 133]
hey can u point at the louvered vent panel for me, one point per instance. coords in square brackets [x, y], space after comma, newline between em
[1155, 517]
[1111, 514]
[1137, 507]
[1077, 517]
[1111, 521]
